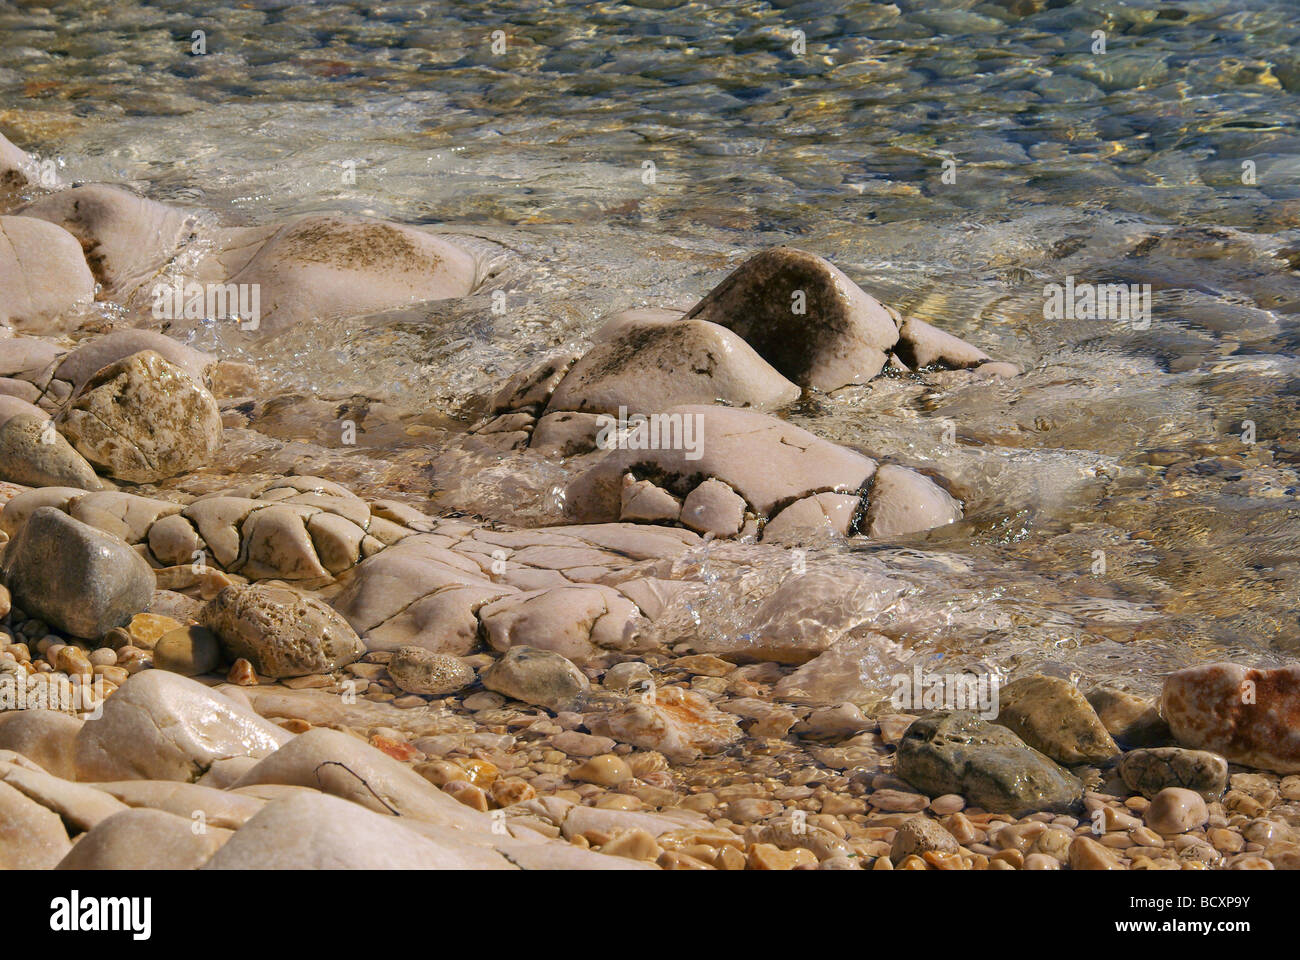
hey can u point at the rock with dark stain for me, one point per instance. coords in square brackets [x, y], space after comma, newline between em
[80, 580]
[143, 419]
[1149, 771]
[1052, 716]
[987, 764]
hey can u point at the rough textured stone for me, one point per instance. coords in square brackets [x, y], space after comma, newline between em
[1251, 717]
[143, 419]
[1149, 771]
[282, 632]
[535, 676]
[920, 835]
[417, 670]
[80, 580]
[987, 764]
[1053, 717]
[91, 356]
[162, 726]
[575, 622]
[840, 337]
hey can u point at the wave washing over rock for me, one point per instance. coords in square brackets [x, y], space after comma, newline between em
[762, 572]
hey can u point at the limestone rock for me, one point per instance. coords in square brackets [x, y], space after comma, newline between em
[144, 840]
[311, 831]
[902, 501]
[162, 726]
[143, 419]
[1151, 770]
[713, 507]
[31, 836]
[43, 736]
[575, 622]
[766, 461]
[34, 454]
[127, 239]
[678, 723]
[651, 364]
[42, 272]
[805, 317]
[282, 632]
[536, 676]
[74, 577]
[91, 356]
[332, 265]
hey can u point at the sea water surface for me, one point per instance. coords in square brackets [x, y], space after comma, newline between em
[1118, 523]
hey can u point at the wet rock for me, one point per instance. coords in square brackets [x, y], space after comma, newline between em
[74, 577]
[143, 419]
[1131, 720]
[282, 632]
[921, 345]
[1148, 771]
[902, 501]
[189, 651]
[535, 676]
[34, 454]
[42, 272]
[766, 461]
[647, 364]
[1053, 717]
[805, 317]
[127, 239]
[162, 726]
[806, 615]
[32, 837]
[836, 675]
[713, 507]
[328, 265]
[607, 770]
[680, 724]
[987, 764]
[144, 840]
[15, 164]
[1175, 810]
[417, 670]
[1251, 717]
[823, 513]
[418, 593]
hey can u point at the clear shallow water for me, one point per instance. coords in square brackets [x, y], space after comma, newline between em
[1122, 167]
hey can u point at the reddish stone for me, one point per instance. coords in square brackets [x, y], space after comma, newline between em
[1251, 717]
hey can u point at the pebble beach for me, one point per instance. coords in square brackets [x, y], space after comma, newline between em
[781, 437]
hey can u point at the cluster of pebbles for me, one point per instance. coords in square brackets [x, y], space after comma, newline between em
[222, 675]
